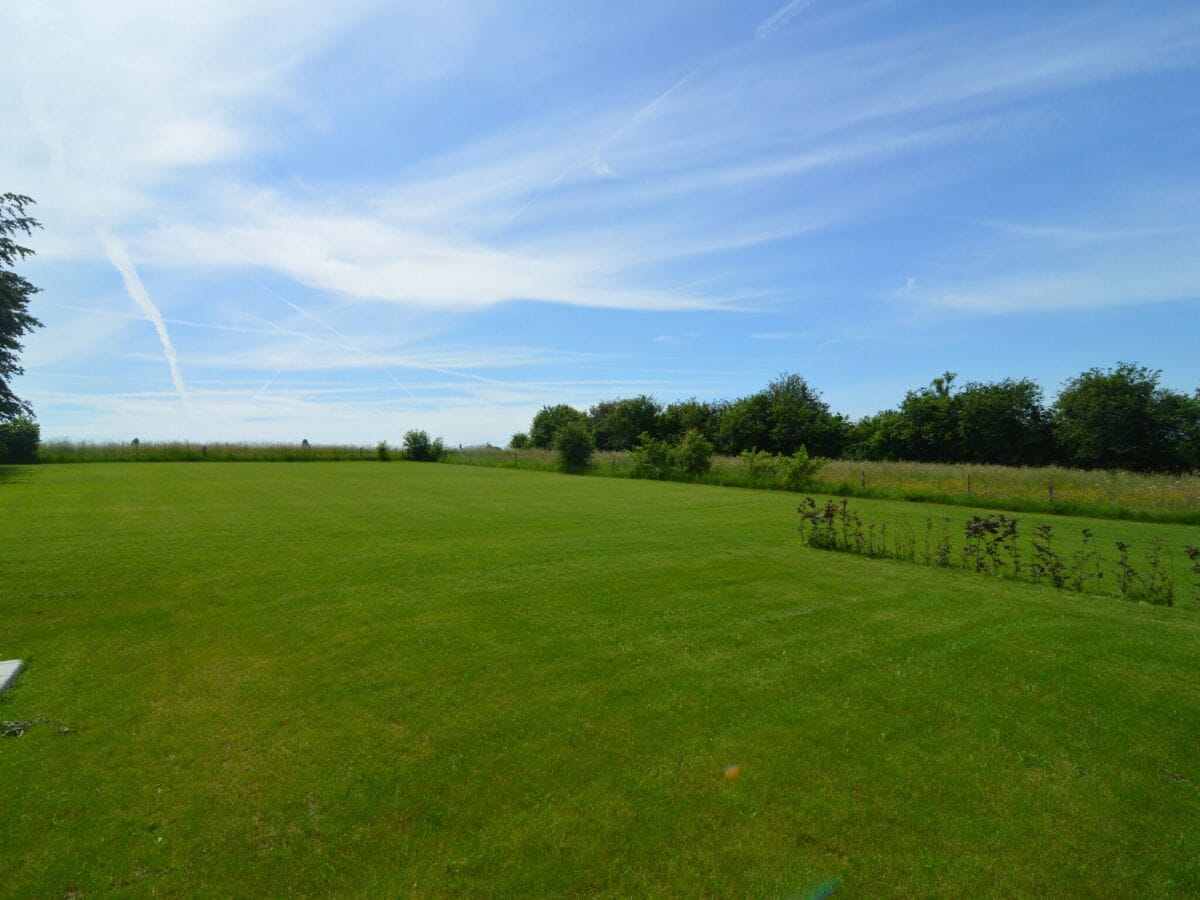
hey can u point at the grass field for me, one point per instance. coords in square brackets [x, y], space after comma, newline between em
[66, 451]
[418, 679]
[1097, 493]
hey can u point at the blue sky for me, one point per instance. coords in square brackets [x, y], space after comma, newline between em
[269, 220]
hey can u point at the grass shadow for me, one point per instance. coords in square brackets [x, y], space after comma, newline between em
[14, 473]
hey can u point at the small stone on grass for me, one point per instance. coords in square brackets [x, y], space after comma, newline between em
[8, 671]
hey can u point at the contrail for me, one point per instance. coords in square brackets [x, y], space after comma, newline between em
[781, 17]
[598, 165]
[596, 162]
[778, 19]
[270, 381]
[119, 257]
[344, 343]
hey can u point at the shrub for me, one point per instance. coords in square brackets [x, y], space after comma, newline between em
[818, 525]
[760, 466]
[798, 470]
[694, 453]
[1193, 555]
[651, 458]
[1159, 583]
[419, 448]
[575, 446]
[383, 451]
[19, 440]
[549, 420]
[519, 441]
[990, 546]
[1046, 561]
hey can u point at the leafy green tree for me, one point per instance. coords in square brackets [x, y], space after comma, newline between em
[15, 291]
[744, 424]
[575, 446]
[19, 439]
[877, 437]
[519, 441]
[800, 418]
[689, 415]
[781, 419]
[928, 422]
[619, 424]
[1181, 414]
[419, 448]
[1121, 418]
[1003, 423]
[549, 420]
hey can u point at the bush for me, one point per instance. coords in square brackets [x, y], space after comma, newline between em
[798, 470]
[694, 453]
[575, 446]
[19, 440]
[383, 451]
[651, 458]
[549, 420]
[761, 466]
[419, 448]
[519, 441]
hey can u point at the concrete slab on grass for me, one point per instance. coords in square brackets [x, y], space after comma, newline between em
[8, 671]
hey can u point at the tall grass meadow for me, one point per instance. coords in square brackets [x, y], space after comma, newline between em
[1051, 489]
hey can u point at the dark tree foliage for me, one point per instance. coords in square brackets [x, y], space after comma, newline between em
[419, 448]
[549, 420]
[1121, 419]
[743, 424]
[800, 418]
[690, 415]
[927, 424]
[15, 291]
[575, 446]
[878, 437]
[784, 417]
[618, 424]
[1000, 422]
[19, 439]
[1003, 422]
[1118, 418]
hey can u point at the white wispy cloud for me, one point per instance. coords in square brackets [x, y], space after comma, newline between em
[705, 185]
[471, 413]
[372, 259]
[1042, 266]
[149, 100]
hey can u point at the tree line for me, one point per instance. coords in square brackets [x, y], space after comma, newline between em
[1117, 418]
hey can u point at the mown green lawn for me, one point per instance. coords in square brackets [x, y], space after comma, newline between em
[404, 678]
